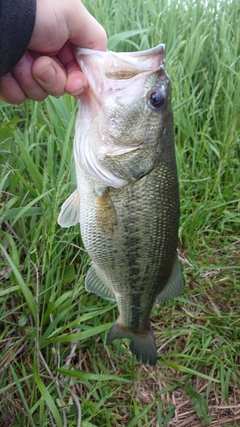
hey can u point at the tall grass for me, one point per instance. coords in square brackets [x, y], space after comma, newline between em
[55, 368]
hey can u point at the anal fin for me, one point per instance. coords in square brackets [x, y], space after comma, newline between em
[174, 287]
[94, 283]
[69, 214]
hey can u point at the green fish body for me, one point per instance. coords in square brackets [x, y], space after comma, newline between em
[127, 198]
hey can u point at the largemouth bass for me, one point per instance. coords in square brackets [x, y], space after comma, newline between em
[127, 198]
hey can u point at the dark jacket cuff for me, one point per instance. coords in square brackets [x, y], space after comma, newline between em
[17, 19]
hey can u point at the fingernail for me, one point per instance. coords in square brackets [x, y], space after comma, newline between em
[77, 94]
[46, 75]
[23, 61]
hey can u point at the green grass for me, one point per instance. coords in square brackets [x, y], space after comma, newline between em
[55, 367]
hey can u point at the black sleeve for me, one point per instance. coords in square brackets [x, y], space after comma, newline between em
[17, 19]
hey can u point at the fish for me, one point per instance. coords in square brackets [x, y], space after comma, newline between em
[127, 195]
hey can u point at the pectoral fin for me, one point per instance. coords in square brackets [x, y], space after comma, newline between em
[106, 215]
[69, 214]
[94, 283]
[175, 285]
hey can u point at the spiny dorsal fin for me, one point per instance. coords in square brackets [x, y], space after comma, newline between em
[69, 214]
[95, 284]
[175, 285]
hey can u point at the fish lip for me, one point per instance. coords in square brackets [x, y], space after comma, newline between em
[156, 49]
[133, 59]
[123, 150]
[147, 52]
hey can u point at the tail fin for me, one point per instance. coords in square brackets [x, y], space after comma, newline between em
[142, 345]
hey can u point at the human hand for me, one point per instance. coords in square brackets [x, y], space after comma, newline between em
[48, 67]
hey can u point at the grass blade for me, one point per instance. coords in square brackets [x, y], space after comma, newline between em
[23, 286]
[88, 376]
[47, 398]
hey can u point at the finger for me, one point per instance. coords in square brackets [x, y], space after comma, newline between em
[50, 75]
[76, 81]
[66, 54]
[23, 74]
[10, 91]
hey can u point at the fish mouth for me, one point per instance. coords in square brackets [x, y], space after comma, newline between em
[107, 69]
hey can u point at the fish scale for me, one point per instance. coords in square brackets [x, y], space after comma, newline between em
[137, 249]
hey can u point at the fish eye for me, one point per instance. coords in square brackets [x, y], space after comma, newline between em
[156, 99]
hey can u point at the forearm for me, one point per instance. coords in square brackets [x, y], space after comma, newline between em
[17, 19]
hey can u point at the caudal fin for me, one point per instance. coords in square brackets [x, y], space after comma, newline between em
[142, 345]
